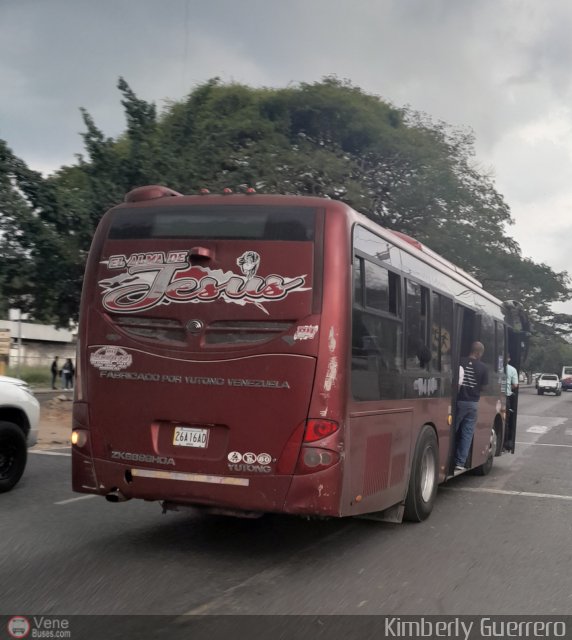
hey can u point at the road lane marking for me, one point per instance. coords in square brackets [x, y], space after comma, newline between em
[507, 492]
[51, 447]
[548, 421]
[543, 444]
[537, 429]
[91, 495]
[50, 453]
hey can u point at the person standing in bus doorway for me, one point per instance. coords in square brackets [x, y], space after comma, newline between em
[510, 387]
[54, 370]
[475, 377]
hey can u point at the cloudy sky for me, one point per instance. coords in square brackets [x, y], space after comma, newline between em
[501, 67]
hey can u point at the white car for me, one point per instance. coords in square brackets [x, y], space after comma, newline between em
[19, 418]
[549, 383]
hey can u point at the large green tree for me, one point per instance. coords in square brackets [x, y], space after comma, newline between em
[41, 252]
[328, 138]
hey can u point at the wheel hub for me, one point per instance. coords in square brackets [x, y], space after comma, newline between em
[427, 475]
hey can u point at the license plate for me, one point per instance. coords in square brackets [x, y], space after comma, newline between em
[191, 437]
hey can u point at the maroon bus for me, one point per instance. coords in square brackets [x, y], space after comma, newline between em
[247, 353]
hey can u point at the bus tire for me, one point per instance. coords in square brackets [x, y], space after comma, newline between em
[500, 433]
[424, 477]
[13, 454]
[485, 468]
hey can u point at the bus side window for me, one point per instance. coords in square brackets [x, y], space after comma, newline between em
[418, 354]
[376, 333]
[446, 335]
[500, 351]
[489, 356]
[441, 332]
[376, 357]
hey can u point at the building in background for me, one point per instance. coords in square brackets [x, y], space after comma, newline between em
[27, 344]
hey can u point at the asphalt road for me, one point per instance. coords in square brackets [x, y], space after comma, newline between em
[494, 545]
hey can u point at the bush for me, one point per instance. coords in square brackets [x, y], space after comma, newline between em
[37, 376]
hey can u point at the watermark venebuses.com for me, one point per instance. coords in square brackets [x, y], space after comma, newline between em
[38, 627]
[294, 627]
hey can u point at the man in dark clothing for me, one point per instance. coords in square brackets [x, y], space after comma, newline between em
[67, 373]
[54, 370]
[475, 377]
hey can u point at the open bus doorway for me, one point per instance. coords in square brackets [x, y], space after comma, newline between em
[516, 353]
[518, 331]
[466, 326]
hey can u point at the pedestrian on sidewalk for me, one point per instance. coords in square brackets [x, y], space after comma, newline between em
[54, 370]
[67, 374]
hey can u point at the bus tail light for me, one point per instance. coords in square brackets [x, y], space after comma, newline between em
[79, 438]
[289, 456]
[297, 450]
[318, 449]
[314, 459]
[80, 427]
[318, 429]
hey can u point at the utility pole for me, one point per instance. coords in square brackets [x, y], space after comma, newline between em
[19, 343]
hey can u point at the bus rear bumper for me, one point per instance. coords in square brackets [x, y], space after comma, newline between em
[84, 478]
[311, 494]
[315, 493]
[260, 494]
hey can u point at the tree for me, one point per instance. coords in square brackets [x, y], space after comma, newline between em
[327, 138]
[41, 255]
[548, 352]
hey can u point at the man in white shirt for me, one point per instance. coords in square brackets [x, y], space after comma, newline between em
[509, 388]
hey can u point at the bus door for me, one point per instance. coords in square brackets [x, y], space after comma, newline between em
[516, 350]
[518, 332]
[457, 349]
[467, 326]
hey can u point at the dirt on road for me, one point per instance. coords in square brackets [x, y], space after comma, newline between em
[55, 420]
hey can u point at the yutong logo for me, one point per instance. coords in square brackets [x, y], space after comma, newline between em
[152, 279]
[141, 457]
[251, 468]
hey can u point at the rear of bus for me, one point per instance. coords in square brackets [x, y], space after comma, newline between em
[199, 381]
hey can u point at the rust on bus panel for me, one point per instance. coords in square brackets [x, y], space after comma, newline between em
[148, 280]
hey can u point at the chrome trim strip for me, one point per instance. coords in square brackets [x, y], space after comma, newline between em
[189, 477]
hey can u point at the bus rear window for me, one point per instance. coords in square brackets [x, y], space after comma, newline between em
[226, 222]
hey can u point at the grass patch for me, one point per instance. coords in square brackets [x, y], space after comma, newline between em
[38, 376]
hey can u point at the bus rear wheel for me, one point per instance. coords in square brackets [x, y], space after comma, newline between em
[424, 477]
[13, 454]
[485, 469]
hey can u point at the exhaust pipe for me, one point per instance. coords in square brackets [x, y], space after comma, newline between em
[116, 496]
